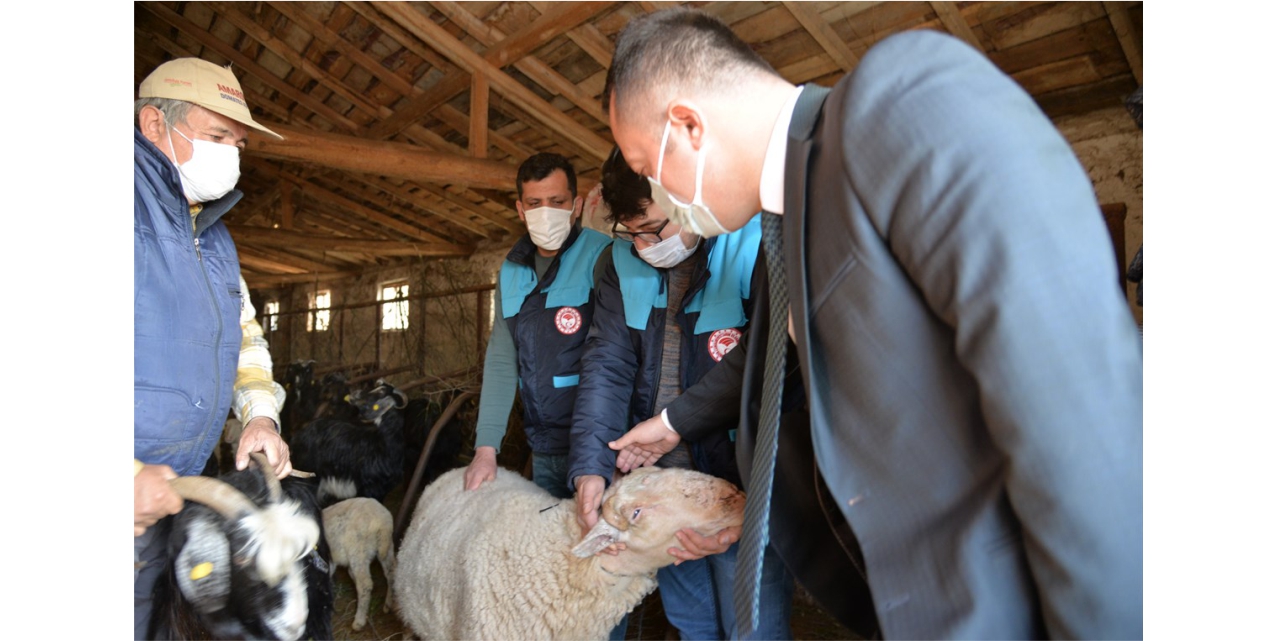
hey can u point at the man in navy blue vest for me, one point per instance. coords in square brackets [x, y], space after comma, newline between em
[543, 303]
[190, 128]
[669, 307]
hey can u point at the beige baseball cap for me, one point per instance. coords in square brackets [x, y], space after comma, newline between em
[203, 83]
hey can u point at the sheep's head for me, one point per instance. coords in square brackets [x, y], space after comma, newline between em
[645, 510]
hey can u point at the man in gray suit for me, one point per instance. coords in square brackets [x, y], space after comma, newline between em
[972, 375]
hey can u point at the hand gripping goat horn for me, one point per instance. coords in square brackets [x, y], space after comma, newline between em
[268, 475]
[219, 496]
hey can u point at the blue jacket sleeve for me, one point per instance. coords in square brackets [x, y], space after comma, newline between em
[609, 370]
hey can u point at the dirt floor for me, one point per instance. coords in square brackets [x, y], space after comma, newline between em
[646, 622]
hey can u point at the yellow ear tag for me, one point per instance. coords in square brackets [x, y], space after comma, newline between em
[375, 406]
[201, 571]
[347, 398]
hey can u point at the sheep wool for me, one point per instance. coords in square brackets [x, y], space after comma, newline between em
[499, 562]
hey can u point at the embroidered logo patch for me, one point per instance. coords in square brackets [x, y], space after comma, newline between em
[568, 320]
[722, 341]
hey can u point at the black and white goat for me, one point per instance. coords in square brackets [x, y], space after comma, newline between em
[362, 457]
[247, 560]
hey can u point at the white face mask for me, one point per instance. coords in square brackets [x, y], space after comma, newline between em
[548, 226]
[696, 216]
[666, 253]
[212, 170]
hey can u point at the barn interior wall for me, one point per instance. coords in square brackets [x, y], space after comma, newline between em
[1109, 145]
[442, 336]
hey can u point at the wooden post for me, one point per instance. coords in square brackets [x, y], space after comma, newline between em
[287, 206]
[478, 127]
[407, 503]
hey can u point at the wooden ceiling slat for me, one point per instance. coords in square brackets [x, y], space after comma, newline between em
[300, 63]
[294, 12]
[463, 56]
[378, 105]
[405, 193]
[248, 65]
[278, 260]
[529, 65]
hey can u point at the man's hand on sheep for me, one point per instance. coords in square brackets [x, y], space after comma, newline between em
[697, 546]
[260, 436]
[483, 467]
[153, 498]
[644, 444]
[589, 490]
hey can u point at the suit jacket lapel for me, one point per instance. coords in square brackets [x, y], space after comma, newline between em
[809, 106]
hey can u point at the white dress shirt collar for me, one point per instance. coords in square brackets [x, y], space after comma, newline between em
[772, 173]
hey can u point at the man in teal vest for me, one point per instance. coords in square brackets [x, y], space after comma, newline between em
[669, 307]
[543, 303]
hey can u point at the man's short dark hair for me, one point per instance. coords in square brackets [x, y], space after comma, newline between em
[677, 45]
[540, 166]
[626, 192]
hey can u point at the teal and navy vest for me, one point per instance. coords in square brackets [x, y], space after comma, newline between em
[713, 316]
[548, 320]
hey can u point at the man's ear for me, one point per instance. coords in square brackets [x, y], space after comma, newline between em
[687, 123]
[577, 209]
[151, 122]
[520, 210]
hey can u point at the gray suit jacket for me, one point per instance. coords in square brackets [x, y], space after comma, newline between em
[972, 373]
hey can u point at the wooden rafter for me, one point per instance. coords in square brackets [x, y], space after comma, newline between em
[462, 55]
[823, 34]
[956, 25]
[1118, 15]
[478, 133]
[282, 238]
[382, 158]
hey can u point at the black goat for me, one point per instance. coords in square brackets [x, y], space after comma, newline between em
[362, 457]
[247, 560]
[421, 415]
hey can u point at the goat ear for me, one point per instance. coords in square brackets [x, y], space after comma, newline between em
[203, 567]
[600, 537]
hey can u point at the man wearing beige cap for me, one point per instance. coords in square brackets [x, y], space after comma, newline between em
[191, 125]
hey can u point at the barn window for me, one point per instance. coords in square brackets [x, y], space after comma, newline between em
[318, 315]
[395, 313]
[272, 311]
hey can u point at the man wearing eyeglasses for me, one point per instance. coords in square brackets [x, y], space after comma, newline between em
[669, 306]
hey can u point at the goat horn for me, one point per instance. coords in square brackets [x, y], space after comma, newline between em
[269, 475]
[219, 496]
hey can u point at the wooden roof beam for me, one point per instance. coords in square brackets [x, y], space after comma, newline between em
[531, 66]
[1119, 16]
[430, 206]
[383, 158]
[275, 260]
[515, 46]
[282, 238]
[823, 33]
[275, 280]
[376, 189]
[951, 18]
[462, 55]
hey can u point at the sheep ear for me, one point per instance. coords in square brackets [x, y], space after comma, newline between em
[600, 537]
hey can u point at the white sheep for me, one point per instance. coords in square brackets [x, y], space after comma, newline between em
[505, 561]
[358, 530]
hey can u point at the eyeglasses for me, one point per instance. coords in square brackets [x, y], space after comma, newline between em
[647, 236]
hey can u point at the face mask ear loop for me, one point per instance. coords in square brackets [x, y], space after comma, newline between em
[662, 151]
[698, 174]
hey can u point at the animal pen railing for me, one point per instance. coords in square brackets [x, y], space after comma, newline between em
[444, 334]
